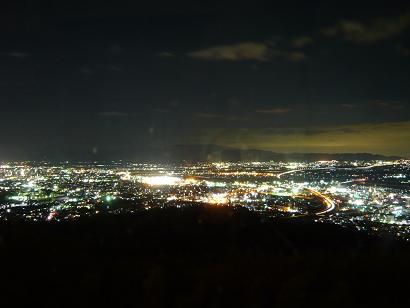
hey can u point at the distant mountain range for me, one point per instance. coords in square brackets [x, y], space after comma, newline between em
[214, 153]
[193, 154]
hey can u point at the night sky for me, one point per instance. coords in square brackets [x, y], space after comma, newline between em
[89, 77]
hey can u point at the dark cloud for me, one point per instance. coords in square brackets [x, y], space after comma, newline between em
[114, 68]
[90, 69]
[208, 115]
[301, 41]
[320, 131]
[115, 49]
[237, 52]
[18, 54]
[86, 70]
[248, 51]
[275, 111]
[166, 54]
[162, 110]
[393, 105]
[115, 114]
[294, 56]
[378, 104]
[378, 29]
[404, 50]
[349, 106]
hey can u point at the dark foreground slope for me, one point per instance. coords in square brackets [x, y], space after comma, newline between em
[198, 257]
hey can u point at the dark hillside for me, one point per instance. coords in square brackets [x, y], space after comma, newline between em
[209, 257]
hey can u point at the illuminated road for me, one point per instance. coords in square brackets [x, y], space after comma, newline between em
[279, 175]
[288, 172]
[330, 204]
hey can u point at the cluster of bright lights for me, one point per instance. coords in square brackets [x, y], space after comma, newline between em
[166, 180]
[161, 180]
[124, 176]
[217, 198]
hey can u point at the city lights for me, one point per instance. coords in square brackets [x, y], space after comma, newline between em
[160, 180]
[366, 195]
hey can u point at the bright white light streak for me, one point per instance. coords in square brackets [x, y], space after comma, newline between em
[161, 180]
